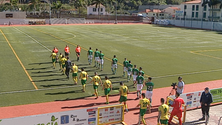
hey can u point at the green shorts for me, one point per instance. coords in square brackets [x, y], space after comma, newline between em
[60, 63]
[123, 99]
[95, 86]
[63, 66]
[165, 122]
[74, 74]
[143, 112]
[83, 81]
[53, 60]
[106, 91]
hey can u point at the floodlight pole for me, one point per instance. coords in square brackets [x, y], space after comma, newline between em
[50, 14]
[116, 12]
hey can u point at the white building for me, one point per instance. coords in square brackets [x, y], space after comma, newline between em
[171, 11]
[195, 10]
[93, 10]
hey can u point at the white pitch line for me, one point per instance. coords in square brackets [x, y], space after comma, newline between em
[33, 39]
[32, 90]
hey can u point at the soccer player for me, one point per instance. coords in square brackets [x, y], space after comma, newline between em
[129, 71]
[149, 89]
[114, 64]
[83, 76]
[90, 55]
[140, 82]
[55, 50]
[63, 61]
[177, 108]
[143, 104]
[78, 50]
[53, 55]
[96, 80]
[96, 57]
[125, 62]
[68, 67]
[74, 72]
[141, 70]
[60, 61]
[163, 113]
[135, 73]
[107, 87]
[67, 51]
[101, 61]
[123, 91]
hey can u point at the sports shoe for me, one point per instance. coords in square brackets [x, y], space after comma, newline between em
[201, 119]
[127, 110]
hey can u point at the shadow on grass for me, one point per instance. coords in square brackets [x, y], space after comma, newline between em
[48, 75]
[45, 80]
[50, 67]
[44, 72]
[86, 64]
[59, 93]
[40, 63]
[57, 85]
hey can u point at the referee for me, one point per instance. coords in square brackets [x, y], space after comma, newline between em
[205, 100]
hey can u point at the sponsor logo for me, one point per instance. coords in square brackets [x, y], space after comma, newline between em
[90, 116]
[117, 119]
[80, 120]
[118, 115]
[93, 109]
[92, 121]
[112, 108]
[111, 116]
[52, 122]
[106, 109]
[92, 112]
[112, 112]
[111, 119]
[118, 111]
[64, 119]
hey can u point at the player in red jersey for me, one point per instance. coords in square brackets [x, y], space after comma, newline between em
[78, 49]
[67, 51]
[177, 108]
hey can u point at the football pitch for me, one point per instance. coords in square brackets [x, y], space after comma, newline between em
[164, 53]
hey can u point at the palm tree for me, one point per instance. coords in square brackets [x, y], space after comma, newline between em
[211, 3]
[79, 3]
[98, 2]
[57, 5]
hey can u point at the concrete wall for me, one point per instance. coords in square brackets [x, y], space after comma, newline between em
[16, 15]
[197, 24]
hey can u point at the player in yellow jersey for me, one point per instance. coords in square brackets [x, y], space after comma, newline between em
[144, 103]
[107, 87]
[163, 113]
[96, 80]
[83, 76]
[123, 91]
[74, 71]
[53, 55]
[60, 61]
[63, 61]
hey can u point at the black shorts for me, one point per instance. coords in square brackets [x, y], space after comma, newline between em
[66, 53]
[78, 53]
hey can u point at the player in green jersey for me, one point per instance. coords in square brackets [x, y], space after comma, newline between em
[129, 71]
[90, 55]
[149, 91]
[125, 62]
[135, 73]
[142, 73]
[114, 64]
[101, 60]
[140, 82]
[96, 57]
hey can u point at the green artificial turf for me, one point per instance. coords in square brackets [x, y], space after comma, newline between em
[164, 53]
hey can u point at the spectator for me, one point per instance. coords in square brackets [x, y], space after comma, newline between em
[205, 100]
[180, 85]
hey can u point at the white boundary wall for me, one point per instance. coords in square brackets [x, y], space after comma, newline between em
[197, 24]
